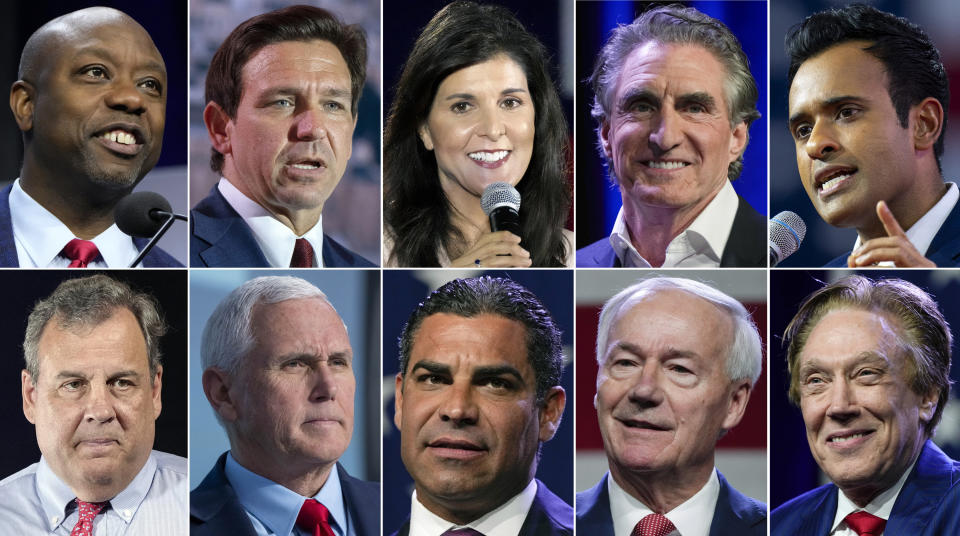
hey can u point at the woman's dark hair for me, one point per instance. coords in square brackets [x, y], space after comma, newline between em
[416, 211]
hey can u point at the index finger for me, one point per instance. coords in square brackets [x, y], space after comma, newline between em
[889, 221]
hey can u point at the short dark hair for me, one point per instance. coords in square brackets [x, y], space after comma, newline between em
[294, 23]
[497, 296]
[682, 25]
[90, 301]
[923, 331]
[913, 65]
[416, 211]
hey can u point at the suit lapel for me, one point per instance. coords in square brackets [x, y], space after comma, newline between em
[921, 493]
[944, 250]
[230, 241]
[215, 505]
[593, 510]
[8, 247]
[745, 244]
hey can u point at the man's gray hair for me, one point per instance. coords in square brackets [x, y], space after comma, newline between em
[676, 24]
[90, 301]
[228, 335]
[745, 355]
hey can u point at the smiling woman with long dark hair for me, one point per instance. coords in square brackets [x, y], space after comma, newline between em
[475, 105]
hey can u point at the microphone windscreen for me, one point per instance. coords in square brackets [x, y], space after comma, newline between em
[787, 231]
[133, 214]
[497, 195]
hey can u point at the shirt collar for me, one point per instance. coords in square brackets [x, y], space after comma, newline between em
[507, 519]
[275, 239]
[42, 236]
[278, 507]
[693, 517]
[56, 495]
[921, 233]
[880, 506]
[702, 242]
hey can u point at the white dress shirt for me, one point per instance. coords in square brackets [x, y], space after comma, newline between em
[693, 517]
[699, 246]
[880, 506]
[40, 237]
[505, 520]
[275, 239]
[155, 503]
[921, 233]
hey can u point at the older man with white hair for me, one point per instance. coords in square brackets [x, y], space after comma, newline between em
[677, 363]
[278, 372]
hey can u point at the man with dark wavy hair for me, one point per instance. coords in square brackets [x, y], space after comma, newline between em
[282, 93]
[869, 365]
[867, 112]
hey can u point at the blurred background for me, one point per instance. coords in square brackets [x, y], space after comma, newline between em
[352, 214]
[792, 469]
[598, 201]
[355, 294]
[824, 242]
[166, 24]
[742, 452]
[402, 291]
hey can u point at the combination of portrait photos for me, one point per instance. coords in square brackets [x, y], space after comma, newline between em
[480, 268]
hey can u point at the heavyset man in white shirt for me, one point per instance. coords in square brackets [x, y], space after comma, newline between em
[677, 363]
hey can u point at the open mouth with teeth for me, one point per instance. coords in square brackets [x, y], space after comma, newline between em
[848, 439]
[489, 159]
[665, 164]
[832, 181]
[121, 141]
[643, 425]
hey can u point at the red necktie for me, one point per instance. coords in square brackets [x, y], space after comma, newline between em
[87, 511]
[865, 524]
[302, 254]
[315, 518]
[80, 252]
[653, 525]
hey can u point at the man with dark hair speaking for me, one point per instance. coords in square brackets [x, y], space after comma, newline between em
[477, 395]
[282, 93]
[868, 111]
[869, 366]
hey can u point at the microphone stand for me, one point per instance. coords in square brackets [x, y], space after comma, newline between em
[170, 218]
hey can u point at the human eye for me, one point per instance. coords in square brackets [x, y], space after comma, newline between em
[95, 71]
[123, 384]
[152, 85]
[341, 362]
[498, 383]
[802, 131]
[72, 386]
[679, 369]
[294, 364]
[460, 107]
[335, 106]
[847, 112]
[511, 103]
[431, 379]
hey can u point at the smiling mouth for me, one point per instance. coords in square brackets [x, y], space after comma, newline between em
[488, 156]
[121, 141]
[665, 164]
[844, 439]
[643, 425]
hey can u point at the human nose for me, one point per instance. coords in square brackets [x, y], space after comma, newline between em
[842, 401]
[822, 142]
[324, 384]
[491, 124]
[646, 391]
[665, 133]
[125, 96]
[310, 126]
[99, 405]
[458, 405]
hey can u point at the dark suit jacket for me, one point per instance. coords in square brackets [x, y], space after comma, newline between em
[928, 504]
[944, 251]
[156, 257]
[735, 514]
[746, 245]
[215, 510]
[220, 238]
[548, 516]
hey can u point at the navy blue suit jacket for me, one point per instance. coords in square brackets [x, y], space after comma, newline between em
[548, 516]
[215, 510]
[735, 513]
[220, 238]
[746, 245]
[944, 250]
[928, 504]
[156, 257]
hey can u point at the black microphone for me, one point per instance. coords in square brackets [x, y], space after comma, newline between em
[145, 215]
[785, 234]
[501, 203]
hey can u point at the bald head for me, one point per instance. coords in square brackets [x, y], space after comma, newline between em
[66, 29]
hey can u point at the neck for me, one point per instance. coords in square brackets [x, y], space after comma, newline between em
[85, 209]
[861, 493]
[663, 491]
[465, 510]
[907, 209]
[303, 480]
[466, 216]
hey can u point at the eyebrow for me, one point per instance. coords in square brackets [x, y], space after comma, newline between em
[829, 103]
[431, 366]
[867, 357]
[698, 96]
[152, 65]
[671, 353]
[293, 90]
[64, 374]
[468, 96]
[498, 370]
[346, 354]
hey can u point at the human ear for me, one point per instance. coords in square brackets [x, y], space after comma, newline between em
[739, 397]
[927, 123]
[29, 391]
[738, 141]
[552, 412]
[216, 386]
[22, 99]
[604, 134]
[217, 121]
[425, 137]
[398, 401]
